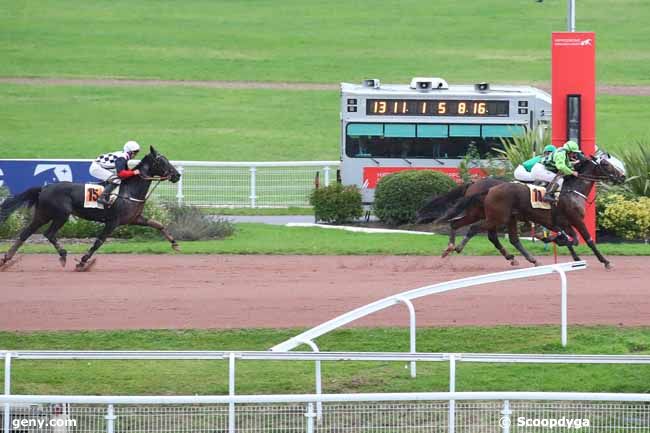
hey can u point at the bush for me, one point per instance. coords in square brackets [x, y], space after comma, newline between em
[188, 223]
[399, 195]
[637, 167]
[336, 203]
[627, 218]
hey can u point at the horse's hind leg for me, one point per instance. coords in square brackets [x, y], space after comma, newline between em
[34, 225]
[493, 236]
[83, 264]
[473, 231]
[50, 234]
[513, 236]
[452, 242]
[142, 221]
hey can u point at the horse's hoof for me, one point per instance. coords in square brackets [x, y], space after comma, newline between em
[62, 261]
[535, 263]
[608, 266]
[176, 248]
[514, 262]
[84, 266]
[8, 263]
[449, 250]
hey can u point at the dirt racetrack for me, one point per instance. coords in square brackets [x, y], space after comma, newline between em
[219, 291]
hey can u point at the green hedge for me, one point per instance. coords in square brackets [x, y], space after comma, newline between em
[336, 203]
[399, 195]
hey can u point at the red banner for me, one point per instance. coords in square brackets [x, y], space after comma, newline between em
[371, 175]
[574, 74]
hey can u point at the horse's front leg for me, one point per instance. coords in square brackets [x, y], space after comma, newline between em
[582, 229]
[142, 221]
[452, 242]
[83, 264]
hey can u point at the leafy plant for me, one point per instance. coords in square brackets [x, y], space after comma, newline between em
[637, 166]
[399, 195]
[520, 148]
[189, 223]
[336, 203]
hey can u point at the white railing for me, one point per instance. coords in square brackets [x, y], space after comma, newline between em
[248, 184]
[390, 412]
[233, 357]
[405, 298]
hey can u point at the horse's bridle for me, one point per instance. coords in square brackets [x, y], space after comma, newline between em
[166, 176]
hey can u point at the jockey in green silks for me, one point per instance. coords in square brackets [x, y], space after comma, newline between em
[524, 171]
[560, 164]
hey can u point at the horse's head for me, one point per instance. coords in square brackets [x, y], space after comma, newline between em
[608, 167]
[155, 164]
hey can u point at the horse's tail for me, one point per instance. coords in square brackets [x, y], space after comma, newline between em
[437, 205]
[27, 198]
[461, 206]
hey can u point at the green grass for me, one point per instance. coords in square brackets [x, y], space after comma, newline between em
[292, 40]
[253, 377]
[213, 124]
[270, 239]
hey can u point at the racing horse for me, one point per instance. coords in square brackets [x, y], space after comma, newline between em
[439, 206]
[508, 203]
[56, 202]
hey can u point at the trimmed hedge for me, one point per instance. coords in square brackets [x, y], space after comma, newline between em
[398, 196]
[628, 218]
[336, 203]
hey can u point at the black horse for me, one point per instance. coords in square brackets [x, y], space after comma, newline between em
[56, 202]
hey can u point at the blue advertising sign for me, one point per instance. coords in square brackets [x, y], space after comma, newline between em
[19, 175]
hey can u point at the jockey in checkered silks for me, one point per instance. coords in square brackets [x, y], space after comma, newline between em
[113, 167]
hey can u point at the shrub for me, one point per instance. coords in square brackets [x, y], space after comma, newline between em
[627, 218]
[188, 223]
[637, 167]
[522, 147]
[399, 195]
[336, 203]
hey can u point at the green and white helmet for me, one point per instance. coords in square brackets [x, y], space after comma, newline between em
[572, 146]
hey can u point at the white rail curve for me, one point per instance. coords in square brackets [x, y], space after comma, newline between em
[406, 297]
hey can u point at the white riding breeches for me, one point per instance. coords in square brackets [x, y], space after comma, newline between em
[102, 174]
[523, 175]
[541, 173]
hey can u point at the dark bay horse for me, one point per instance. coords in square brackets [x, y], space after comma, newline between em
[468, 197]
[508, 203]
[56, 202]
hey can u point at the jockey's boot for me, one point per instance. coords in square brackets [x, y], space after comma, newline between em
[105, 198]
[551, 189]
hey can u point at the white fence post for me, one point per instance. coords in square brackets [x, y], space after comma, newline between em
[110, 419]
[319, 381]
[7, 392]
[231, 391]
[452, 388]
[560, 271]
[326, 175]
[253, 196]
[505, 420]
[179, 186]
[412, 331]
[310, 414]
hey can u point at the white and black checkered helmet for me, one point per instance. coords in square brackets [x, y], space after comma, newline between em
[131, 147]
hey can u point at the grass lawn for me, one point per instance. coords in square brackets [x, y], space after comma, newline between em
[213, 124]
[292, 40]
[270, 239]
[254, 377]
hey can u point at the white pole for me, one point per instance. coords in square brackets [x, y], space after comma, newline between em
[413, 328]
[110, 419]
[7, 391]
[179, 187]
[452, 388]
[319, 382]
[571, 15]
[231, 391]
[253, 189]
[326, 172]
[563, 304]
